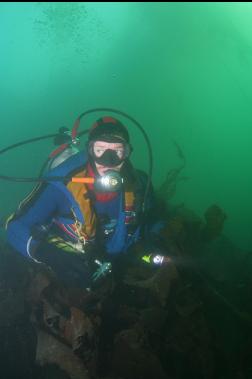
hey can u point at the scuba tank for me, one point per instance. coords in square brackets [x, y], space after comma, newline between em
[65, 154]
[67, 148]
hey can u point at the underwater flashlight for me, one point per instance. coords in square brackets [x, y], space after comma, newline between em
[157, 259]
[110, 182]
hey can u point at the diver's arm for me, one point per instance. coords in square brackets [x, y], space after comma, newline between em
[39, 212]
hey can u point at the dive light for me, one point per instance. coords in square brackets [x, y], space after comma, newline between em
[110, 182]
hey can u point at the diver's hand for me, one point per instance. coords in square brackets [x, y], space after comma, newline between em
[78, 247]
[62, 258]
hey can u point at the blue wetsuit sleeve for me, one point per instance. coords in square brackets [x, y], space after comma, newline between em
[49, 201]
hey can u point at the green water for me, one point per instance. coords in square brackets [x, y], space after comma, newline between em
[183, 70]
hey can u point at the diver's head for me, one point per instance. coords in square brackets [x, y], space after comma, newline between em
[108, 145]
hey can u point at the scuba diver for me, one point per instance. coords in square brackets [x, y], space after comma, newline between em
[89, 224]
[78, 228]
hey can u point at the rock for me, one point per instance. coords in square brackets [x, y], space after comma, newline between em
[51, 351]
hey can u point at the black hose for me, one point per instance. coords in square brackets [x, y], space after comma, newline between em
[15, 145]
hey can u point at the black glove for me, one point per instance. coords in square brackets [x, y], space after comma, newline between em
[73, 268]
